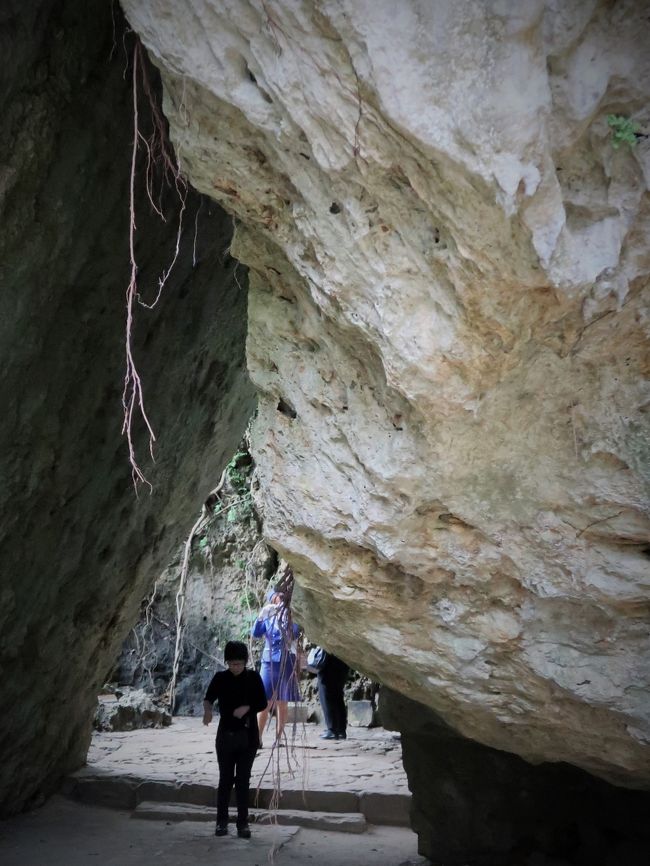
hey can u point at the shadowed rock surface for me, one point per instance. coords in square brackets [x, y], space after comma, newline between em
[473, 804]
[78, 547]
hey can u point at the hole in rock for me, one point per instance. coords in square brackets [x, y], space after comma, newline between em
[286, 408]
[254, 80]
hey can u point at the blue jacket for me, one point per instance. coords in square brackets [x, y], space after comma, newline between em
[277, 637]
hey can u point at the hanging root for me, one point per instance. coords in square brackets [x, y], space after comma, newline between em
[180, 594]
[158, 155]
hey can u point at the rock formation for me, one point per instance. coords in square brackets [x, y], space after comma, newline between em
[444, 207]
[78, 547]
[485, 807]
[448, 261]
[128, 710]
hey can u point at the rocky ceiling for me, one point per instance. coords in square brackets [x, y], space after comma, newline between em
[448, 330]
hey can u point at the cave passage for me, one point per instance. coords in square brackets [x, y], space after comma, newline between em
[80, 549]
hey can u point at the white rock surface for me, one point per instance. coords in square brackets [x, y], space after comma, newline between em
[448, 266]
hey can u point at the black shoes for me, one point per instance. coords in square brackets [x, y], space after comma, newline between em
[330, 735]
[243, 830]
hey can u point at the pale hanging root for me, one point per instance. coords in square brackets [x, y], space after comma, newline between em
[196, 232]
[145, 644]
[180, 606]
[147, 636]
[180, 594]
[132, 394]
[251, 587]
[158, 153]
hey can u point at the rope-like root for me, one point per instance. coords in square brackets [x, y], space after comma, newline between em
[180, 594]
[158, 153]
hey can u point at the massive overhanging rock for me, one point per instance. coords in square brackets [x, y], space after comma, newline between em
[78, 547]
[447, 331]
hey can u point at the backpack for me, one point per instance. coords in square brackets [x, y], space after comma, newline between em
[316, 659]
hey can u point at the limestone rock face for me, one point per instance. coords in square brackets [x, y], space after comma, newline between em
[449, 257]
[78, 547]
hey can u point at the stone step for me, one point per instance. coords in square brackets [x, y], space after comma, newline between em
[343, 822]
[124, 791]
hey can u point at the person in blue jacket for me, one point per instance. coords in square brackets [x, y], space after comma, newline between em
[278, 671]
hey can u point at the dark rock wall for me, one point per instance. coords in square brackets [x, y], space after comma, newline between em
[477, 806]
[78, 548]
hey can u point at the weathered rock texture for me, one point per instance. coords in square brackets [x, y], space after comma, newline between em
[129, 710]
[78, 548]
[447, 329]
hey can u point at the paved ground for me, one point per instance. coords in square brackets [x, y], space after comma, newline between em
[64, 833]
[369, 760]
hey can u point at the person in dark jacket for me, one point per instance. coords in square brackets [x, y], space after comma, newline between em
[331, 682]
[240, 693]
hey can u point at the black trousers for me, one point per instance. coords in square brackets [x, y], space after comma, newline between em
[330, 694]
[235, 756]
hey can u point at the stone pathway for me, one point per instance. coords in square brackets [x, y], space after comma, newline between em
[370, 759]
[169, 776]
[64, 833]
[363, 774]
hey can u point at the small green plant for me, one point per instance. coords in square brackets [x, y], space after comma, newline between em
[248, 599]
[236, 476]
[624, 130]
[240, 510]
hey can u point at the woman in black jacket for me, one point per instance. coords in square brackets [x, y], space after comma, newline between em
[241, 696]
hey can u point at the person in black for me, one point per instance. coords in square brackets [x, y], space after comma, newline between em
[331, 681]
[241, 696]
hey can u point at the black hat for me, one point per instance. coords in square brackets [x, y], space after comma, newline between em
[235, 651]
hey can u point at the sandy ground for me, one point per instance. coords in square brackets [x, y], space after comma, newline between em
[64, 833]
